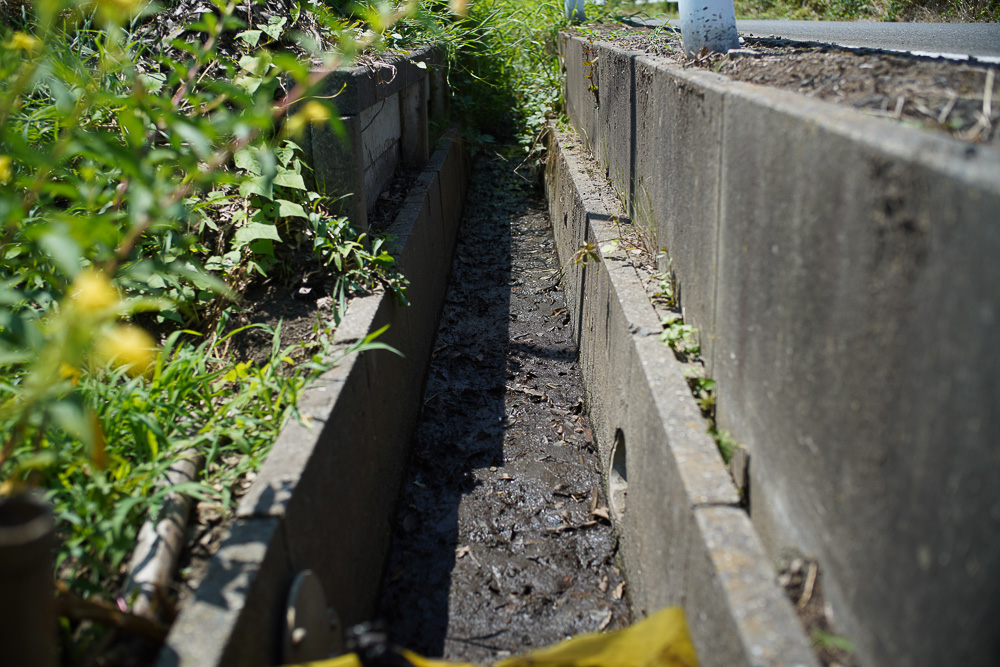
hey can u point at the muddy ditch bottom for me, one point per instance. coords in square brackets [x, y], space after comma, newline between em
[502, 541]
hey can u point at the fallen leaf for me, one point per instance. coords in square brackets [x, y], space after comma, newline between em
[619, 591]
[601, 513]
[462, 551]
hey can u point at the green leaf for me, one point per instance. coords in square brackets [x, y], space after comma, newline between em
[289, 179]
[248, 83]
[248, 160]
[258, 185]
[64, 251]
[10, 357]
[132, 127]
[253, 231]
[250, 37]
[153, 81]
[195, 138]
[256, 65]
[288, 209]
[70, 416]
[275, 27]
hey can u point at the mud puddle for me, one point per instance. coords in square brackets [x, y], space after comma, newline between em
[502, 541]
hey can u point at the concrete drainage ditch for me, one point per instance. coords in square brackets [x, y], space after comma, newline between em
[318, 517]
[313, 531]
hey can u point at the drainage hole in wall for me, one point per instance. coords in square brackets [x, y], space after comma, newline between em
[618, 476]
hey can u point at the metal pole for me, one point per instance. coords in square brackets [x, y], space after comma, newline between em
[574, 10]
[708, 24]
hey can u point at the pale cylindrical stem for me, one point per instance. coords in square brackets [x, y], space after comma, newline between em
[161, 541]
[709, 24]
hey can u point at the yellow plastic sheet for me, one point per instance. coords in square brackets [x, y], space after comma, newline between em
[660, 640]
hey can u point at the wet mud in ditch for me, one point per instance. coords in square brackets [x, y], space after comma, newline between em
[502, 541]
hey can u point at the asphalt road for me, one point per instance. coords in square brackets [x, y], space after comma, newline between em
[973, 39]
[981, 40]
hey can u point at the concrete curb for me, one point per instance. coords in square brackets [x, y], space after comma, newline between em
[842, 271]
[324, 498]
[685, 539]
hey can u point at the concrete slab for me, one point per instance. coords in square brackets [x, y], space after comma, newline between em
[414, 142]
[251, 569]
[851, 329]
[684, 538]
[579, 60]
[385, 121]
[381, 129]
[863, 378]
[614, 142]
[679, 119]
[765, 622]
[339, 169]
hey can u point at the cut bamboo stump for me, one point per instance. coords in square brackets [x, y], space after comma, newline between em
[27, 611]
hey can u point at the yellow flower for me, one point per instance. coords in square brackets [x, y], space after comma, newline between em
[311, 113]
[6, 173]
[118, 12]
[21, 41]
[70, 373]
[92, 292]
[127, 346]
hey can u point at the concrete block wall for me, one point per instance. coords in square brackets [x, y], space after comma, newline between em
[325, 497]
[843, 273]
[385, 109]
[684, 539]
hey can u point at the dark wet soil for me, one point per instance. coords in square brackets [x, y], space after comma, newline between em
[957, 98]
[502, 541]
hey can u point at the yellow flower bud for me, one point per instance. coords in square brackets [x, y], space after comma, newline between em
[6, 173]
[92, 292]
[315, 112]
[312, 113]
[128, 346]
[21, 41]
[70, 373]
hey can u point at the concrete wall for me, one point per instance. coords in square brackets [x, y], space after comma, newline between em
[843, 272]
[324, 499]
[385, 111]
[684, 538]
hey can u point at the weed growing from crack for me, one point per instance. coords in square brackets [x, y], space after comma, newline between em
[682, 338]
